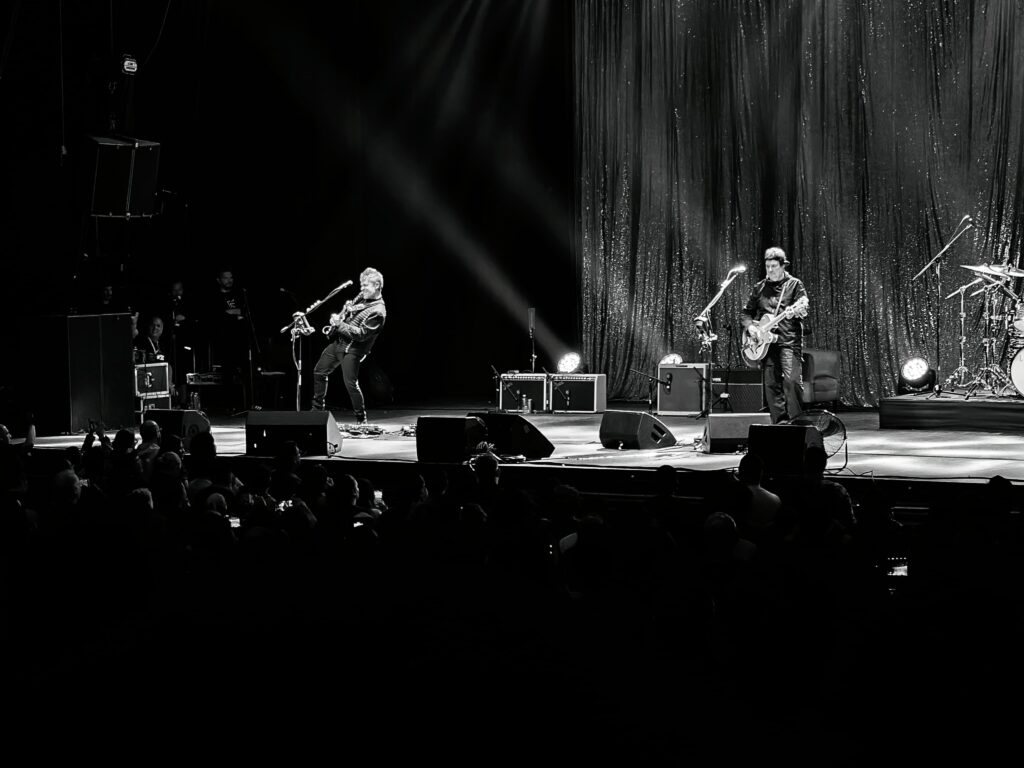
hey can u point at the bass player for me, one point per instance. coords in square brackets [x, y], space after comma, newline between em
[779, 293]
[351, 336]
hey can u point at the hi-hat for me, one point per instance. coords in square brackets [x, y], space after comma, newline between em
[995, 270]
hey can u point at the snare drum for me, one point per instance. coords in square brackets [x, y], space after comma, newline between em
[1018, 317]
[1017, 370]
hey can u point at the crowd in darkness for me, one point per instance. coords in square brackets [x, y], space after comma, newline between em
[449, 614]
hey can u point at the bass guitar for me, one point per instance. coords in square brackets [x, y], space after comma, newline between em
[758, 335]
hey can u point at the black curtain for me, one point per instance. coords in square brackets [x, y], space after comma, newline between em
[854, 134]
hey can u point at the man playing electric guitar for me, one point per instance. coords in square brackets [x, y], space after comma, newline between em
[351, 336]
[783, 362]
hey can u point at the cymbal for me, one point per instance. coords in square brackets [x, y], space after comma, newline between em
[995, 270]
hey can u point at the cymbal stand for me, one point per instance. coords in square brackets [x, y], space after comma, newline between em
[958, 378]
[989, 376]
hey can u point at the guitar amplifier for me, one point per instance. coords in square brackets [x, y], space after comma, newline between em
[746, 394]
[579, 392]
[152, 379]
[516, 386]
[684, 395]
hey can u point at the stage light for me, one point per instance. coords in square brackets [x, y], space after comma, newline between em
[569, 362]
[129, 65]
[672, 358]
[915, 376]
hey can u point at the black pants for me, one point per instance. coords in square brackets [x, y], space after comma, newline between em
[334, 354]
[783, 373]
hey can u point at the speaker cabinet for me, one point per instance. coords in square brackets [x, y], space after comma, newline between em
[743, 386]
[782, 446]
[685, 392]
[152, 379]
[184, 424]
[84, 372]
[315, 432]
[512, 435]
[448, 439]
[123, 177]
[630, 429]
[516, 386]
[728, 432]
[579, 392]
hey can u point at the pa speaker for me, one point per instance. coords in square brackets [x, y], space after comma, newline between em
[629, 429]
[512, 435]
[450, 439]
[123, 178]
[728, 432]
[316, 433]
[782, 446]
[184, 424]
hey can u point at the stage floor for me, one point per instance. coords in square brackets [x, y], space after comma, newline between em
[894, 454]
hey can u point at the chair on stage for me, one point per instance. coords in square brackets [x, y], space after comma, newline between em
[821, 376]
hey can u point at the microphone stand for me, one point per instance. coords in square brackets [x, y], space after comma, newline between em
[938, 293]
[652, 381]
[255, 342]
[563, 389]
[705, 330]
[299, 326]
[533, 348]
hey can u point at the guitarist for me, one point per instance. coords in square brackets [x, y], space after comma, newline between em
[782, 365]
[353, 332]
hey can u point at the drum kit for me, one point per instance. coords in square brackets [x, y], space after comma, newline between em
[1003, 316]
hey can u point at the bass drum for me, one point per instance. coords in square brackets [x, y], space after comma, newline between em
[1017, 370]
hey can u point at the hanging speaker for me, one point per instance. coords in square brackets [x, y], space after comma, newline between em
[513, 435]
[782, 446]
[630, 429]
[316, 433]
[728, 432]
[448, 439]
[123, 176]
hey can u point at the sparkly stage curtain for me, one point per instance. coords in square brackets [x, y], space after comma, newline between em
[854, 134]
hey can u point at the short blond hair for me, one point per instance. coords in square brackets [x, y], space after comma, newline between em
[374, 275]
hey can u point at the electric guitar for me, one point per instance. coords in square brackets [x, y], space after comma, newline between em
[332, 332]
[758, 335]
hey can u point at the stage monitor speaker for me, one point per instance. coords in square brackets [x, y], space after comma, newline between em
[123, 176]
[315, 432]
[513, 435]
[782, 446]
[448, 439]
[184, 424]
[631, 429]
[685, 392]
[728, 432]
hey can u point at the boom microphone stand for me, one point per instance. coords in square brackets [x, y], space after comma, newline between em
[707, 334]
[299, 326]
[960, 229]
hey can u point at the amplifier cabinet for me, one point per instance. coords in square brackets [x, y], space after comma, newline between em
[684, 395]
[516, 386]
[152, 379]
[579, 392]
